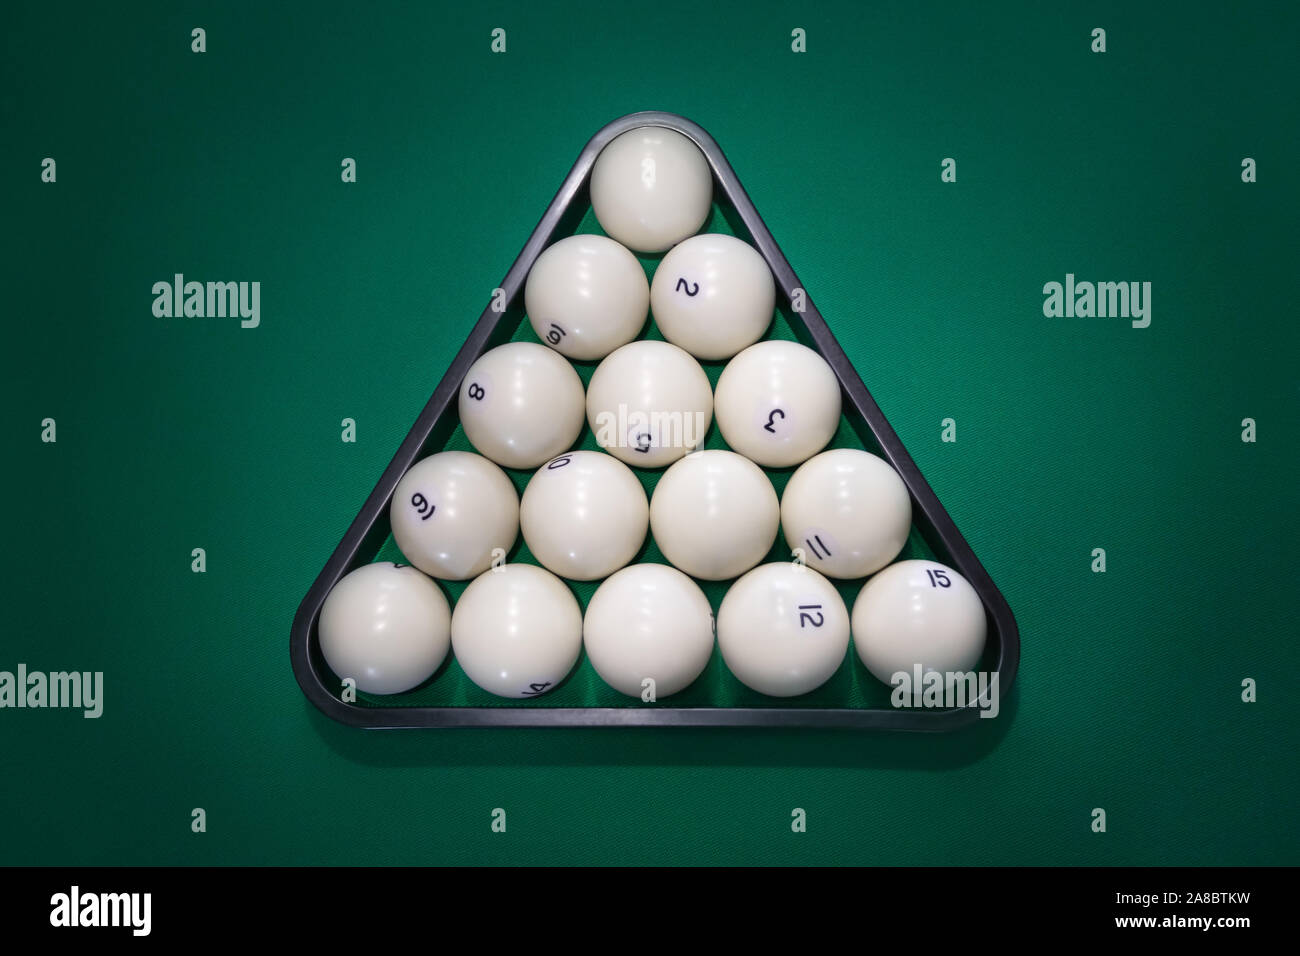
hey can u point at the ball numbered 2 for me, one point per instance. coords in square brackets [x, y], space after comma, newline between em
[713, 295]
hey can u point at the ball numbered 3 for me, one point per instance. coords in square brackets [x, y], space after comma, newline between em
[777, 403]
[848, 511]
[385, 627]
[521, 404]
[713, 295]
[918, 613]
[783, 630]
[517, 631]
[453, 513]
[585, 296]
[584, 515]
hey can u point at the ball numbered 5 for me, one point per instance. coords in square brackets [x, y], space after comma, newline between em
[584, 515]
[777, 403]
[783, 630]
[713, 295]
[521, 404]
[586, 295]
[452, 513]
[649, 403]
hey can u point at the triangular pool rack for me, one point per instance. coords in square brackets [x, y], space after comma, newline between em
[845, 705]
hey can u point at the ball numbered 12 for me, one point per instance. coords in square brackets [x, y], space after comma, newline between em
[783, 629]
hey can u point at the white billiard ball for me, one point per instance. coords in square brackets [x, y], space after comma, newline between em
[521, 404]
[450, 512]
[777, 403]
[649, 403]
[586, 295]
[918, 613]
[848, 510]
[714, 514]
[783, 630]
[651, 187]
[517, 630]
[713, 295]
[385, 627]
[584, 515]
[652, 623]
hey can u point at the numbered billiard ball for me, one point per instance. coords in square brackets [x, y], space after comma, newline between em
[586, 296]
[848, 511]
[714, 515]
[517, 630]
[521, 404]
[650, 188]
[918, 613]
[385, 627]
[649, 403]
[650, 623]
[451, 512]
[584, 515]
[713, 295]
[783, 630]
[777, 403]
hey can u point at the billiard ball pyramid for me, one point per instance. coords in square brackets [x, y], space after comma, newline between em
[851, 697]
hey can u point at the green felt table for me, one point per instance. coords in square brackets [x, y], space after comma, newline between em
[1073, 432]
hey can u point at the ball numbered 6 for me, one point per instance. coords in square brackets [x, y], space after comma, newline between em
[586, 296]
[521, 404]
[777, 403]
